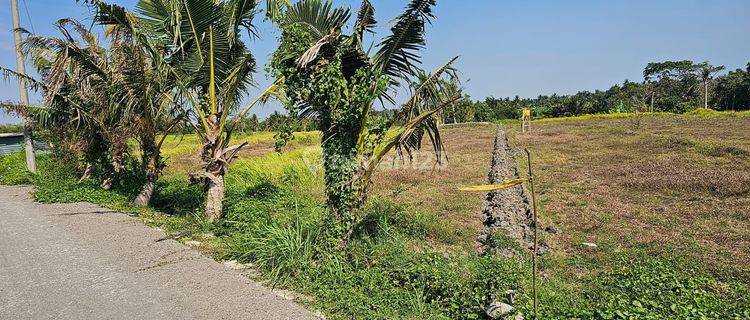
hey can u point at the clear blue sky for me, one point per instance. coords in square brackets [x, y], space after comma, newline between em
[512, 47]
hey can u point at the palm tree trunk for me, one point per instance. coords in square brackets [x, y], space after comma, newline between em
[652, 102]
[214, 197]
[705, 94]
[144, 197]
[117, 168]
[214, 170]
[152, 174]
[151, 159]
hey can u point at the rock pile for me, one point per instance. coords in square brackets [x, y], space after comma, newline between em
[507, 212]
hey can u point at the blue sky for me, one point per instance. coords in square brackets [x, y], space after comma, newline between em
[510, 47]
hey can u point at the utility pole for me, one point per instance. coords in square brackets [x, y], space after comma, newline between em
[21, 68]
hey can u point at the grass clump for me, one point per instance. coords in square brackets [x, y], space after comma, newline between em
[711, 113]
[13, 169]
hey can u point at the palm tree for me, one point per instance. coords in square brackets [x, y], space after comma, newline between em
[333, 78]
[79, 81]
[706, 72]
[106, 96]
[199, 41]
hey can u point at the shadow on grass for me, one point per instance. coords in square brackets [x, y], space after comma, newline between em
[176, 197]
[262, 191]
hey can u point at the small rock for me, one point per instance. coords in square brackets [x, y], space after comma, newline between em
[498, 309]
[482, 238]
[193, 243]
[518, 316]
[589, 244]
[234, 265]
[551, 230]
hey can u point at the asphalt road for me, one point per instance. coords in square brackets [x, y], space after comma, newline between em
[80, 261]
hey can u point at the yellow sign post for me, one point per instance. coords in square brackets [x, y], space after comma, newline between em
[526, 120]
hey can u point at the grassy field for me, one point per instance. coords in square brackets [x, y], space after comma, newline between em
[666, 199]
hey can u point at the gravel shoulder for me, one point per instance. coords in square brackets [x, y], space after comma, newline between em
[81, 261]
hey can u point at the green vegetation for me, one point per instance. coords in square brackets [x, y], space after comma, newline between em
[326, 217]
[11, 128]
[399, 264]
[669, 86]
[331, 75]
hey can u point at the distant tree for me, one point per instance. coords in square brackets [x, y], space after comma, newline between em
[246, 124]
[674, 84]
[732, 90]
[706, 73]
[275, 122]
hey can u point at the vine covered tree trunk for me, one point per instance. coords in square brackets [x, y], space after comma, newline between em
[341, 166]
[342, 173]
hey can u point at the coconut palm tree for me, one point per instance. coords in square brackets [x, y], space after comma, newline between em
[332, 77]
[120, 91]
[706, 72]
[201, 46]
[79, 84]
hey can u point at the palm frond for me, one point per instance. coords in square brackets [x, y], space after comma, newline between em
[274, 90]
[403, 139]
[241, 14]
[318, 16]
[429, 87]
[365, 20]
[30, 82]
[312, 53]
[275, 9]
[398, 53]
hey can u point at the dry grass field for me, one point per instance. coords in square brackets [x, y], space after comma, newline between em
[664, 184]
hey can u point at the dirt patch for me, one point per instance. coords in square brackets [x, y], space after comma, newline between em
[507, 212]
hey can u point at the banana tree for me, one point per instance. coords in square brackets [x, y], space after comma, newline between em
[330, 76]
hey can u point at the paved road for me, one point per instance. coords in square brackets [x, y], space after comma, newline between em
[79, 261]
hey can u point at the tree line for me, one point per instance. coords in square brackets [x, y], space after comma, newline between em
[669, 86]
